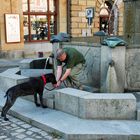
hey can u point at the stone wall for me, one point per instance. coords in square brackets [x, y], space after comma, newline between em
[127, 65]
[131, 23]
[133, 69]
[92, 54]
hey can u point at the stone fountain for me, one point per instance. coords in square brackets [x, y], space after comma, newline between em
[109, 70]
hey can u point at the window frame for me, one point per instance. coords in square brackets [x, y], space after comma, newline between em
[48, 15]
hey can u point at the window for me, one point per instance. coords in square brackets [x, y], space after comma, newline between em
[104, 17]
[39, 19]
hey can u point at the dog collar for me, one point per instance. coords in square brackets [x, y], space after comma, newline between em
[44, 79]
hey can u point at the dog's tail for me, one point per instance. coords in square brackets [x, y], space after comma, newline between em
[6, 94]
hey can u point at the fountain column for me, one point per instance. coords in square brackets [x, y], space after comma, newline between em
[112, 77]
[132, 22]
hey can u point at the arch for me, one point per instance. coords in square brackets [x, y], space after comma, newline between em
[103, 11]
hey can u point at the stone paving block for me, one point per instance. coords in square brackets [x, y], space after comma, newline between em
[9, 78]
[67, 100]
[107, 106]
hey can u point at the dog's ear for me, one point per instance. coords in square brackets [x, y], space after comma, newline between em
[52, 55]
[51, 78]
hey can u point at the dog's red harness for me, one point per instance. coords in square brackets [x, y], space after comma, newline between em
[44, 79]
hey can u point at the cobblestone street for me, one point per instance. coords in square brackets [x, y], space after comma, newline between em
[16, 129]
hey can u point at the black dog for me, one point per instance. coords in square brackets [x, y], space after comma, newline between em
[33, 87]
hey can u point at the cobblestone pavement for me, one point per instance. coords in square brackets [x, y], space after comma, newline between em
[16, 129]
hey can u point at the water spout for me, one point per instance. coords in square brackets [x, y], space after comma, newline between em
[111, 79]
[111, 63]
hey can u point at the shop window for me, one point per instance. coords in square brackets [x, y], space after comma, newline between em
[39, 19]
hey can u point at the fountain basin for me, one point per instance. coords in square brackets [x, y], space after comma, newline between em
[101, 106]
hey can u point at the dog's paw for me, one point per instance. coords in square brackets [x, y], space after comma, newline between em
[2, 115]
[38, 105]
[44, 106]
[6, 119]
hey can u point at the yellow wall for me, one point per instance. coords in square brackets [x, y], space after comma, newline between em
[62, 16]
[79, 21]
[10, 6]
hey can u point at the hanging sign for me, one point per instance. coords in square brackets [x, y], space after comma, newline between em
[12, 27]
[89, 14]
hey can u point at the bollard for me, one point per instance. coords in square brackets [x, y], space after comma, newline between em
[40, 54]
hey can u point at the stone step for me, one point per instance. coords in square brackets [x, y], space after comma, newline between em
[36, 63]
[10, 78]
[72, 127]
[34, 72]
[137, 95]
[14, 76]
[96, 106]
[49, 95]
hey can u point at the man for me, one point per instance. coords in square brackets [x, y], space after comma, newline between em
[72, 70]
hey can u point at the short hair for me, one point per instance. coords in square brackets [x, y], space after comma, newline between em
[59, 53]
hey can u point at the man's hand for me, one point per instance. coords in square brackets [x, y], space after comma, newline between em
[58, 84]
[54, 85]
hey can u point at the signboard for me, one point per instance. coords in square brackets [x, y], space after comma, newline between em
[89, 14]
[12, 26]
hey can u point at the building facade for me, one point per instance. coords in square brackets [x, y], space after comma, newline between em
[40, 19]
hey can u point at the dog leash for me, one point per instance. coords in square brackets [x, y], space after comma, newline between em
[45, 81]
[49, 89]
[46, 62]
[43, 77]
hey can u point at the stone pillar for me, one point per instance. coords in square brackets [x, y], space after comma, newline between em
[131, 22]
[112, 79]
[10, 6]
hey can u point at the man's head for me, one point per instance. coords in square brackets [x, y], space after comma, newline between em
[61, 55]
